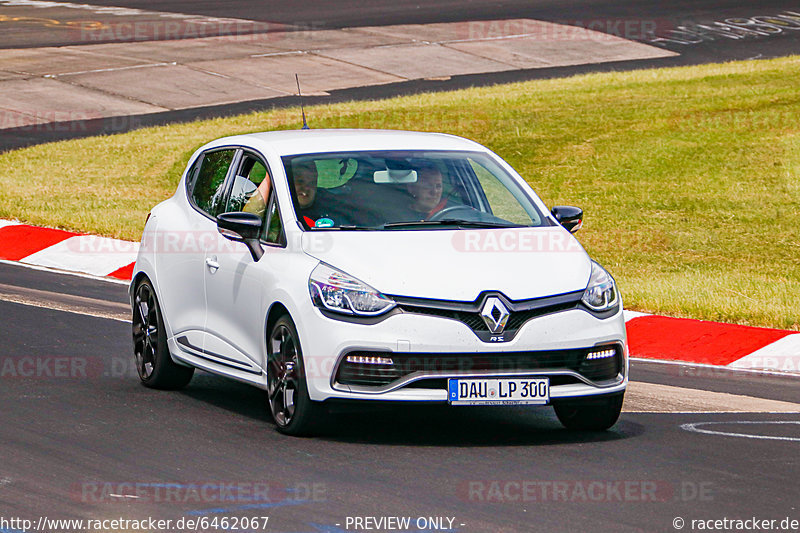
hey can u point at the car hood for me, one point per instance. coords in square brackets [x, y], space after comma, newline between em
[521, 263]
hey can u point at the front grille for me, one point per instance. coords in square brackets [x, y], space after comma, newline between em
[516, 320]
[405, 364]
[469, 313]
[472, 320]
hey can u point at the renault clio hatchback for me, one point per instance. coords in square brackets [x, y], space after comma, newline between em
[375, 265]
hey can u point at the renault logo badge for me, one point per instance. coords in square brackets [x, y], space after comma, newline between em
[495, 314]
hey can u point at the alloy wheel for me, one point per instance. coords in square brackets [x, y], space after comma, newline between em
[282, 375]
[145, 331]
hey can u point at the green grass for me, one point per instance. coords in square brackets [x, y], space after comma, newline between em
[689, 177]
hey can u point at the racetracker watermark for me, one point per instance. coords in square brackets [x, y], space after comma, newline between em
[226, 30]
[742, 369]
[502, 241]
[778, 363]
[211, 492]
[601, 491]
[151, 524]
[516, 240]
[593, 29]
[295, 35]
[78, 122]
[123, 366]
[49, 367]
[202, 241]
[751, 523]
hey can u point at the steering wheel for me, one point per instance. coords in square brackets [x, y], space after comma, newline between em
[450, 210]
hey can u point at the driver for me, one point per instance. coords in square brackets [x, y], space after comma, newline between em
[427, 192]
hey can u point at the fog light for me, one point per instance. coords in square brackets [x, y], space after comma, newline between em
[601, 354]
[369, 360]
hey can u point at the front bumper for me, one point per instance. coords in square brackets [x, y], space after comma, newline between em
[326, 342]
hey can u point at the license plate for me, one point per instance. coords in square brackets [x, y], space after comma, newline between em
[516, 391]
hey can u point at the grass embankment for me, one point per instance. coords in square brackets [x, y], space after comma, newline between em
[689, 177]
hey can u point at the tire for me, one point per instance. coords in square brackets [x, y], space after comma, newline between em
[154, 364]
[292, 409]
[596, 414]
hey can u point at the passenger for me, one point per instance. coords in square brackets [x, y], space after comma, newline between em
[427, 192]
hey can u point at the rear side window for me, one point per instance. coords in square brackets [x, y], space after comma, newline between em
[208, 190]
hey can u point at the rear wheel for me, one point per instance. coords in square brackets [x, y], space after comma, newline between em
[595, 414]
[292, 409]
[153, 361]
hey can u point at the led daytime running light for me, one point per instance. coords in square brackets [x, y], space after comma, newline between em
[369, 360]
[602, 354]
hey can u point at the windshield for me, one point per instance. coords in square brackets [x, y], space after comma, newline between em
[391, 190]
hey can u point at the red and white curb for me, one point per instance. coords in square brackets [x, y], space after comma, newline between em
[68, 251]
[714, 344]
[650, 337]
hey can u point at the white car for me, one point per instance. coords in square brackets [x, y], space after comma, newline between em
[375, 265]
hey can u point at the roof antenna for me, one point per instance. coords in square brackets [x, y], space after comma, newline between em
[302, 110]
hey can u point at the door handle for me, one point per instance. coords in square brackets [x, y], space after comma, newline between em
[211, 263]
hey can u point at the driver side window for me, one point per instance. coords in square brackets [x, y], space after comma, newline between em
[251, 187]
[252, 192]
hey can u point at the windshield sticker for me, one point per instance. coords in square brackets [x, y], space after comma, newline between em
[323, 223]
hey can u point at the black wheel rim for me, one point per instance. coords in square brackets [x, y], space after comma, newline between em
[145, 331]
[282, 375]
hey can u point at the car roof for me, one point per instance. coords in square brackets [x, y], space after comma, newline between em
[293, 142]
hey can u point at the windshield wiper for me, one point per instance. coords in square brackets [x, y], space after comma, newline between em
[345, 227]
[354, 228]
[452, 222]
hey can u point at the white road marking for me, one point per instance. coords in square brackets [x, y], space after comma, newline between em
[695, 427]
[655, 398]
[753, 370]
[111, 69]
[69, 303]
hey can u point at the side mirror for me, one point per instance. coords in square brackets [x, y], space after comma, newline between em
[569, 217]
[242, 227]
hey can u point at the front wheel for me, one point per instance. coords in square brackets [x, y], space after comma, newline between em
[292, 409]
[156, 368]
[595, 414]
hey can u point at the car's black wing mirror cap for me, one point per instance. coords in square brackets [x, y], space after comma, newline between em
[569, 217]
[242, 227]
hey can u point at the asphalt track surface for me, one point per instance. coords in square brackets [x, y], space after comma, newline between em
[318, 14]
[81, 435]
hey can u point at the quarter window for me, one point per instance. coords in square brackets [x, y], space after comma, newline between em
[273, 229]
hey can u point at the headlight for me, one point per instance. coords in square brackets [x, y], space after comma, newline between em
[601, 293]
[336, 291]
